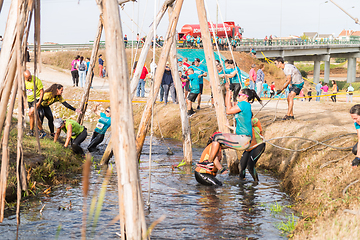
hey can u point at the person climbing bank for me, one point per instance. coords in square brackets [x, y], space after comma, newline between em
[294, 80]
[75, 133]
[243, 133]
[101, 127]
[201, 72]
[205, 171]
[52, 95]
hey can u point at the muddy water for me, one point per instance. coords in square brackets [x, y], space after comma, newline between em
[234, 211]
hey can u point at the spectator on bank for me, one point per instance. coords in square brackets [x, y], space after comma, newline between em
[318, 90]
[168, 84]
[260, 78]
[252, 76]
[309, 93]
[349, 95]
[82, 71]
[325, 88]
[270, 40]
[101, 65]
[272, 89]
[140, 89]
[265, 89]
[334, 90]
[1, 42]
[125, 40]
[265, 40]
[74, 71]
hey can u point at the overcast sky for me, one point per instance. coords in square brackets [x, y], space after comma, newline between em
[75, 21]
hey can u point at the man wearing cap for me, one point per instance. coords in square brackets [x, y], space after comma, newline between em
[294, 80]
[168, 84]
[75, 133]
[201, 72]
[181, 66]
[252, 76]
[29, 85]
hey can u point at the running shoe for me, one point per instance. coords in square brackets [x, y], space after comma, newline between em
[52, 134]
[191, 112]
[42, 134]
[30, 133]
[286, 117]
[198, 107]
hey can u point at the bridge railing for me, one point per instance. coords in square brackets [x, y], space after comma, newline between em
[276, 42]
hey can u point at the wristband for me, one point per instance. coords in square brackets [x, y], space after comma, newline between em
[222, 170]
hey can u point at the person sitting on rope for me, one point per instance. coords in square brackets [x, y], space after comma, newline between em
[194, 90]
[101, 127]
[243, 133]
[355, 115]
[294, 80]
[74, 133]
[205, 171]
[252, 154]
[52, 95]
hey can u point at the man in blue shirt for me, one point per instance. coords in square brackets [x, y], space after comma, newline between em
[102, 125]
[233, 73]
[201, 71]
[318, 91]
[194, 90]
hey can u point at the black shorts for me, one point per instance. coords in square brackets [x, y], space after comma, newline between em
[192, 96]
[296, 90]
[201, 88]
[31, 104]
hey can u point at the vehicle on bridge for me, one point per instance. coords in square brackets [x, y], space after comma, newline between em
[229, 27]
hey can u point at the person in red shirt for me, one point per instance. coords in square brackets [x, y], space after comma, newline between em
[141, 85]
[272, 89]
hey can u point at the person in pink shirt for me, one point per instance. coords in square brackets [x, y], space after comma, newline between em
[252, 76]
[74, 71]
[325, 88]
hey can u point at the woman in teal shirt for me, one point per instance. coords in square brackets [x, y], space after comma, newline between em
[102, 125]
[243, 133]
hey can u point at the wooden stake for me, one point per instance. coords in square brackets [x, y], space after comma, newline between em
[214, 80]
[146, 47]
[89, 76]
[140, 137]
[186, 129]
[132, 218]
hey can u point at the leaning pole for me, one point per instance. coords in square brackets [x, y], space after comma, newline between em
[132, 218]
[215, 82]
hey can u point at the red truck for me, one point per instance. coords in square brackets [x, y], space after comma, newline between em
[229, 27]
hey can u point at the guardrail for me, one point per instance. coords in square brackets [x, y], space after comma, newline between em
[262, 42]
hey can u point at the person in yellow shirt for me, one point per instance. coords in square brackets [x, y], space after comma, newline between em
[52, 95]
[32, 99]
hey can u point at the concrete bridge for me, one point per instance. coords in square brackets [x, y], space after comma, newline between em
[311, 52]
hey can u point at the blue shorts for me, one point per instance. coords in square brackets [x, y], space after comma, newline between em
[296, 88]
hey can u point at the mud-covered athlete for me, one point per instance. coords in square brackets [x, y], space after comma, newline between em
[205, 171]
[101, 127]
[355, 115]
[294, 80]
[243, 133]
[253, 153]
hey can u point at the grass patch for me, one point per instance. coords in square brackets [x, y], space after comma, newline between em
[276, 208]
[288, 226]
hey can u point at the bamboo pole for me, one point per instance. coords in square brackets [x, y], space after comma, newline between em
[185, 125]
[89, 76]
[132, 218]
[214, 81]
[146, 47]
[140, 137]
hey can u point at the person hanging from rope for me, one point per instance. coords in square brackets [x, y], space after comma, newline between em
[355, 115]
[52, 95]
[205, 171]
[201, 72]
[32, 99]
[75, 133]
[252, 154]
[294, 80]
[243, 132]
[101, 127]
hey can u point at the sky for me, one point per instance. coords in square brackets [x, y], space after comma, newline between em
[75, 21]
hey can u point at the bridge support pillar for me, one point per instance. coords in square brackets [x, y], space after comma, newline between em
[351, 70]
[316, 71]
[327, 71]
